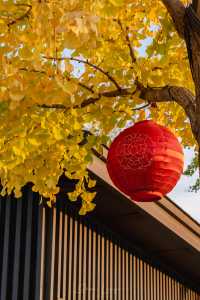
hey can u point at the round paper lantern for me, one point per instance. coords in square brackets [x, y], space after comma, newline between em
[145, 161]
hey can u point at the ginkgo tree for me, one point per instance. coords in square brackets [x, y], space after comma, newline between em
[76, 65]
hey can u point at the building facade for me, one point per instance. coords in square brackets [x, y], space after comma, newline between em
[121, 251]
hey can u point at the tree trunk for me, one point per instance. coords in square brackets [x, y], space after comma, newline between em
[187, 24]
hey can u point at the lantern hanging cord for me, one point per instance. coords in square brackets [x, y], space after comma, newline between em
[142, 107]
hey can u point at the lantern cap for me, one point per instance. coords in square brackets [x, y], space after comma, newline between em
[146, 196]
[152, 122]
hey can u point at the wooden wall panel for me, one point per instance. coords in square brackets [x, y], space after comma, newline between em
[101, 268]
[20, 247]
[47, 254]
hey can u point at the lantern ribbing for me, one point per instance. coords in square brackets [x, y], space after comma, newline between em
[145, 161]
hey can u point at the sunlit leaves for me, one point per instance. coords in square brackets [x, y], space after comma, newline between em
[42, 90]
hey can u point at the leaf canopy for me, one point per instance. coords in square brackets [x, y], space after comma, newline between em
[63, 64]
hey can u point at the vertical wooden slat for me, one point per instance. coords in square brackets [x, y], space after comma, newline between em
[141, 280]
[170, 289]
[169, 286]
[158, 283]
[174, 289]
[106, 294]
[17, 250]
[84, 262]
[166, 287]
[99, 266]
[186, 294]
[60, 245]
[80, 262]
[5, 250]
[102, 267]
[182, 294]
[111, 271]
[2, 231]
[116, 292]
[38, 240]
[163, 285]
[119, 274]
[53, 254]
[145, 280]
[74, 289]
[65, 254]
[165, 290]
[135, 278]
[168, 283]
[138, 278]
[43, 223]
[148, 282]
[192, 295]
[89, 263]
[70, 259]
[127, 275]
[178, 291]
[131, 283]
[152, 283]
[123, 273]
[94, 267]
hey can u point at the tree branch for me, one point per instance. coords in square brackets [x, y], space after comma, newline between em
[176, 10]
[93, 100]
[180, 95]
[125, 31]
[88, 88]
[86, 62]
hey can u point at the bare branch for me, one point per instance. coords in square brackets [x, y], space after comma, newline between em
[86, 103]
[55, 106]
[180, 95]
[142, 107]
[33, 71]
[86, 62]
[93, 100]
[88, 88]
[125, 31]
[176, 10]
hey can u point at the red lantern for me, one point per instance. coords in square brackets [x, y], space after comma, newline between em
[145, 161]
